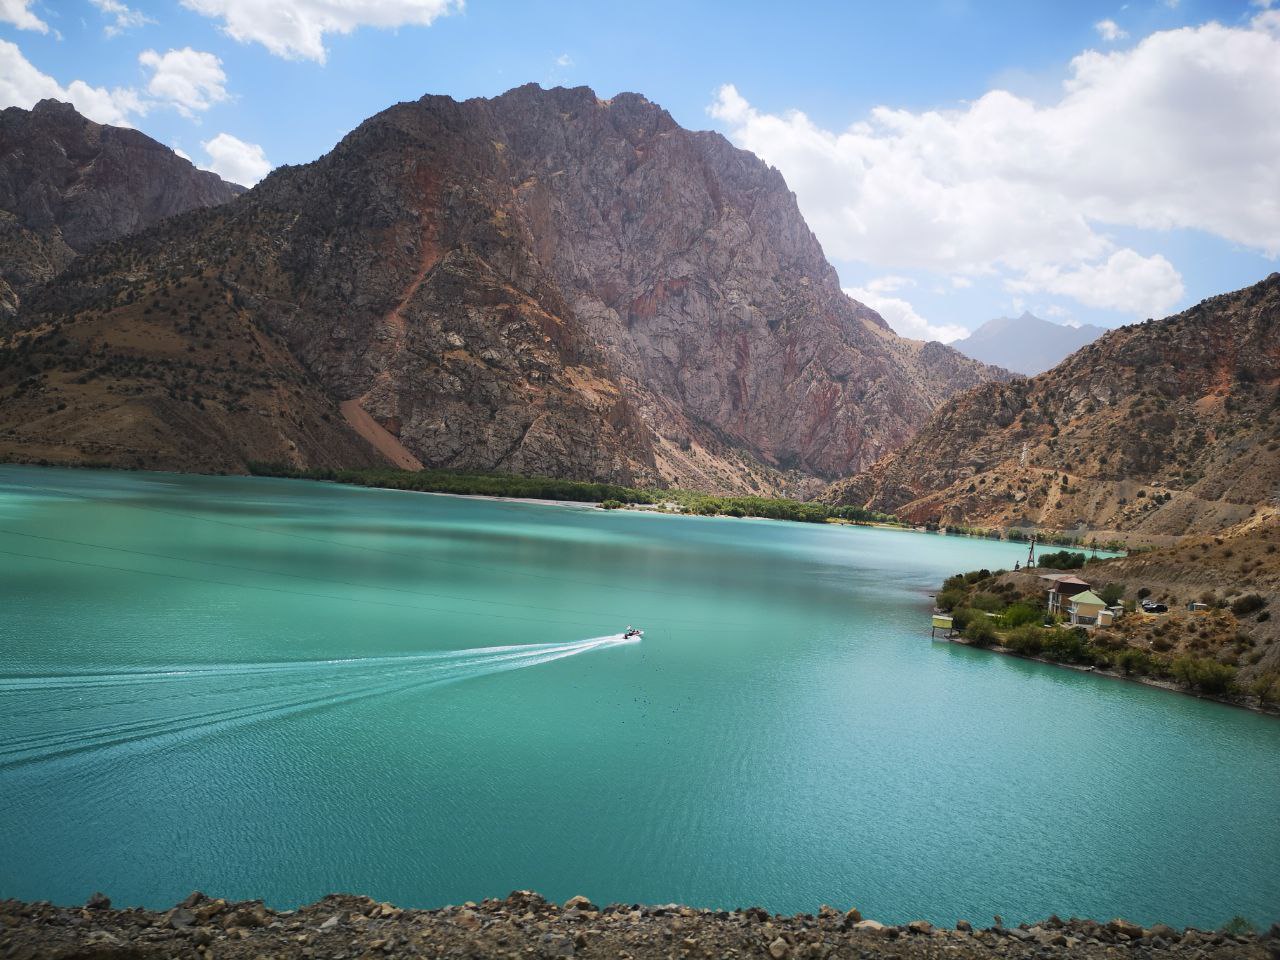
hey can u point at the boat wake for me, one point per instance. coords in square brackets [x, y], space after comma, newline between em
[57, 716]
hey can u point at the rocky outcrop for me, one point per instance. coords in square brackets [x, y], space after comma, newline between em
[524, 924]
[547, 282]
[67, 184]
[1157, 429]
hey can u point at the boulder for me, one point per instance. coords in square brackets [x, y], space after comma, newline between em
[778, 949]
[99, 901]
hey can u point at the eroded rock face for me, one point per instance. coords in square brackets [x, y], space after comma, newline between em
[67, 184]
[547, 282]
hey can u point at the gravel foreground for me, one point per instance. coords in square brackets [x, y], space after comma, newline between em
[525, 926]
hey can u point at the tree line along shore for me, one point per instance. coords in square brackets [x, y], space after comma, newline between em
[615, 496]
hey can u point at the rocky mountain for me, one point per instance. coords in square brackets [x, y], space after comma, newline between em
[543, 282]
[1026, 344]
[1158, 429]
[67, 184]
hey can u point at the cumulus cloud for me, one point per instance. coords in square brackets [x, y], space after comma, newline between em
[233, 159]
[564, 60]
[122, 17]
[1124, 281]
[295, 29]
[188, 79]
[1110, 31]
[1180, 131]
[899, 313]
[18, 13]
[23, 85]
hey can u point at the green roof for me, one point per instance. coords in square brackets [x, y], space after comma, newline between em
[1089, 598]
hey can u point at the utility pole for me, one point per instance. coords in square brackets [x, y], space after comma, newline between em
[1031, 554]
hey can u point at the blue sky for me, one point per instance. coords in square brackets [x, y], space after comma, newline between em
[987, 186]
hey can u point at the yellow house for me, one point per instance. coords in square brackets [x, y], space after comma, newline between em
[1085, 607]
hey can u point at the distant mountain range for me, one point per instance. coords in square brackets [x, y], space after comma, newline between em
[68, 184]
[543, 282]
[1026, 344]
[1162, 428]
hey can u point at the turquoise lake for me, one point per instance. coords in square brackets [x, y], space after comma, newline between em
[278, 689]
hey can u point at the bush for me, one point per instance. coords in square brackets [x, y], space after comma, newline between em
[1027, 640]
[1203, 674]
[988, 602]
[611, 504]
[1062, 560]
[949, 599]
[980, 631]
[1112, 593]
[1247, 604]
[961, 616]
[1020, 614]
[1130, 660]
[1067, 646]
[1144, 592]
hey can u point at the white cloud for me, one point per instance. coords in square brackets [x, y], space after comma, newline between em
[23, 85]
[182, 153]
[18, 13]
[1180, 131]
[900, 314]
[1125, 281]
[188, 79]
[295, 29]
[123, 17]
[564, 60]
[1110, 31]
[233, 159]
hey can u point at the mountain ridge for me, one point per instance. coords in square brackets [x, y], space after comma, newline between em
[541, 282]
[68, 183]
[1026, 344]
[1155, 430]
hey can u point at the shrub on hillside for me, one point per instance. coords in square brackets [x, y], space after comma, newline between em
[1112, 593]
[980, 631]
[949, 599]
[1062, 560]
[1027, 640]
[1131, 660]
[1204, 674]
[988, 602]
[1067, 645]
[1020, 614]
[1247, 604]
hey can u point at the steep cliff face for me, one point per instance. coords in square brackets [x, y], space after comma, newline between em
[548, 282]
[67, 183]
[1161, 428]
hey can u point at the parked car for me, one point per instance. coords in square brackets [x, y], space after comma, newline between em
[1151, 606]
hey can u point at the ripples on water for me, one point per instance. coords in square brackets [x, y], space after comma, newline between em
[251, 687]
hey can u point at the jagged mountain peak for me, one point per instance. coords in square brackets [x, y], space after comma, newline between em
[543, 281]
[68, 183]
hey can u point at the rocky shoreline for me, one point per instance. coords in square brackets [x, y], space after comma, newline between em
[526, 926]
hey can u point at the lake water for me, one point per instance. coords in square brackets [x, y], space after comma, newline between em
[276, 689]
